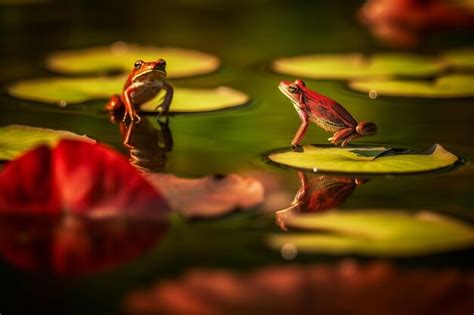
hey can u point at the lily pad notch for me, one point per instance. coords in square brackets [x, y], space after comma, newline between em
[363, 160]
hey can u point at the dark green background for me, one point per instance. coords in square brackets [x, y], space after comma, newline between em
[247, 36]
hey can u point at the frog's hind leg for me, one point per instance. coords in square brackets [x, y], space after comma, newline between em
[114, 103]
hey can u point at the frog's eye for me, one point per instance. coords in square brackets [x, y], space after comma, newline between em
[293, 88]
[162, 62]
[138, 64]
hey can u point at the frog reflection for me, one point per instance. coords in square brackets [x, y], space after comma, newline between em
[321, 192]
[147, 143]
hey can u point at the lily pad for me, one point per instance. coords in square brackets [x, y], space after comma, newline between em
[462, 58]
[356, 65]
[77, 90]
[16, 139]
[376, 233]
[121, 56]
[449, 86]
[372, 160]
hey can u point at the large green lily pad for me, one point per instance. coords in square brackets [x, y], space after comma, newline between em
[355, 65]
[371, 160]
[121, 56]
[77, 90]
[16, 139]
[462, 58]
[449, 86]
[376, 233]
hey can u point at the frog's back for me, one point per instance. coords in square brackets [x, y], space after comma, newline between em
[327, 113]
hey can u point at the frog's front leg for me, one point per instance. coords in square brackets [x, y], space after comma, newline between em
[129, 107]
[342, 135]
[165, 106]
[301, 130]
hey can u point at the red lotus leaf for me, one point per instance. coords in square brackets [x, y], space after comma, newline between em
[62, 209]
[80, 178]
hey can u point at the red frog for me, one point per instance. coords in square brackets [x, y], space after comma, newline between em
[324, 112]
[145, 81]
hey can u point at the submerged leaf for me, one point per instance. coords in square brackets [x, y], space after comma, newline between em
[121, 56]
[78, 90]
[448, 86]
[208, 196]
[375, 233]
[16, 139]
[355, 65]
[350, 160]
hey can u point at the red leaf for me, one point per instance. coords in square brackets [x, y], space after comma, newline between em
[27, 184]
[78, 177]
[50, 200]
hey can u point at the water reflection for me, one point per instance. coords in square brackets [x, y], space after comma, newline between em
[344, 288]
[318, 193]
[71, 245]
[148, 144]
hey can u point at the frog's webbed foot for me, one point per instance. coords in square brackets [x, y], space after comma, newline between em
[349, 139]
[297, 148]
[343, 136]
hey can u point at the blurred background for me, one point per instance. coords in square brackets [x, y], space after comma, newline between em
[222, 265]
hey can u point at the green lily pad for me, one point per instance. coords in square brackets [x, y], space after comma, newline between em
[77, 90]
[376, 233]
[370, 160]
[200, 100]
[462, 58]
[121, 56]
[16, 139]
[355, 65]
[449, 86]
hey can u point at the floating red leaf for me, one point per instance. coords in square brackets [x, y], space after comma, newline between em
[80, 178]
[62, 210]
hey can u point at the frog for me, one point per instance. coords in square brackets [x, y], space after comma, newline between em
[144, 82]
[325, 112]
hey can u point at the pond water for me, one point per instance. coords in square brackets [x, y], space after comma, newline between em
[247, 36]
